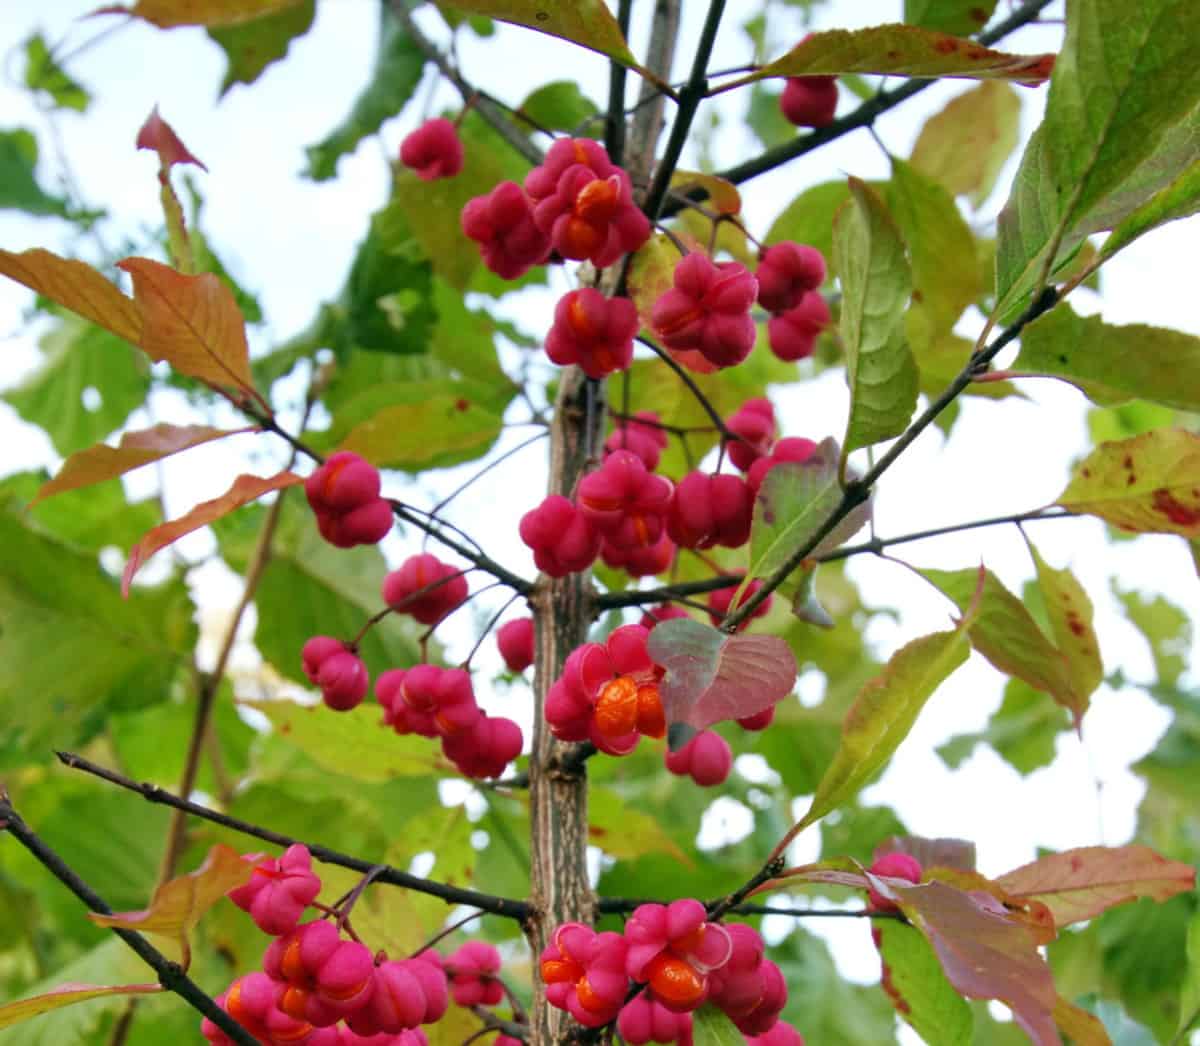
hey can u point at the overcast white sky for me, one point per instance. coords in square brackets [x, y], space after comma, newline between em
[290, 241]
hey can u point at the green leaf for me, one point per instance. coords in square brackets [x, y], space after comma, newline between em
[70, 639]
[965, 146]
[77, 357]
[1179, 199]
[1147, 484]
[869, 257]
[1112, 363]
[1189, 999]
[45, 77]
[560, 106]
[1006, 633]
[854, 831]
[809, 217]
[766, 120]
[19, 189]
[710, 1027]
[884, 712]
[1023, 731]
[1070, 612]
[354, 743]
[793, 502]
[1120, 125]
[588, 23]
[903, 50]
[252, 46]
[945, 277]
[622, 831]
[399, 64]
[1166, 627]
[919, 989]
[309, 588]
[950, 16]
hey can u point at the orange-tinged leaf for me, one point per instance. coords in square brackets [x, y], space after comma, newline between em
[1081, 1027]
[904, 50]
[65, 995]
[244, 490]
[75, 286]
[1070, 613]
[179, 903]
[193, 323]
[985, 952]
[1079, 884]
[159, 136]
[723, 195]
[102, 462]
[169, 14]
[1147, 484]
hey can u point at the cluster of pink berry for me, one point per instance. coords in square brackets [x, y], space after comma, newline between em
[317, 988]
[895, 866]
[679, 960]
[789, 280]
[344, 494]
[440, 703]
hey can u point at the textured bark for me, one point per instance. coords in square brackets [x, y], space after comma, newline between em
[563, 611]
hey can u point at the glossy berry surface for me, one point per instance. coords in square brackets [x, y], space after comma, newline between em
[792, 335]
[515, 640]
[706, 759]
[434, 150]
[344, 495]
[592, 331]
[786, 272]
[501, 222]
[708, 510]
[708, 309]
[426, 588]
[673, 948]
[625, 502]
[809, 101]
[561, 537]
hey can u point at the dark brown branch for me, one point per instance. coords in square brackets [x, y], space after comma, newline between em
[505, 906]
[170, 974]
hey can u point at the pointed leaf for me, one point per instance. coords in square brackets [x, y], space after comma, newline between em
[102, 462]
[414, 435]
[984, 952]
[1120, 125]
[65, 995]
[884, 712]
[965, 146]
[712, 676]
[869, 257]
[1111, 363]
[169, 14]
[1179, 199]
[914, 981]
[588, 23]
[1147, 484]
[1070, 613]
[252, 46]
[1007, 635]
[722, 196]
[179, 903]
[76, 286]
[1080, 884]
[159, 137]
[950, 16]
[44, 75]
[795, 499]
[245, 489]
[904, 50]
[193, 323]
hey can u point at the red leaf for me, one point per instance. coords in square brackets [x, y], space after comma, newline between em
[984, 951]
[158, 136]
[244, 490]
[193, 323]
[712, 676]
[1079, 884]
[102, 462]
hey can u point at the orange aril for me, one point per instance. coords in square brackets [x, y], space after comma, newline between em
[651, 720]
[558, 971]
[588, 998]
[675, 981]
[617, 708]
[597, 201]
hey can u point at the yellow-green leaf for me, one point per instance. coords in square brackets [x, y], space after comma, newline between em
[904, 50]
[950, 16]
[413, 435]
[722, 195]
[1147, 484]
[65, 995]
[1179, 199]
[869, 256]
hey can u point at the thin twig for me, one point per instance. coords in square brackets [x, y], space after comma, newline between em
[512, 909]
[693, 388]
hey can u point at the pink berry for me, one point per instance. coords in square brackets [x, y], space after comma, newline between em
[584, 973]
[754, 421]
[593, 331]
[638, 561]
[426, 588]
[764, 1015]
[644, 1019]
[809, 101]
[433, 150]
[674, 948]
[485, 748]
[584, 203]
[279, 890]
[561, 537]
[343, 680]
[779, 1034]
[428, 700]
[706, 758]
[708, 510]
[326, 978]
[894, 866]
[719, 601]
[708, 310]
[344, 482]
[786, 271]
[794, 449]
[515, 640]
[624, 502]
[501, 222]
[662, 612]
[316, 650]
[758, 721]
[792, 335]
[640, 435]
[473, 971]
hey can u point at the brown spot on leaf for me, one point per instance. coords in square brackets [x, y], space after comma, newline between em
[1077, 627]
[596, 832]
[1087, 473]
[894, 55]
[461, 404]
[1128, 462]
[918, 296]
[946, 45]
[1175, 510]
[978, 14]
